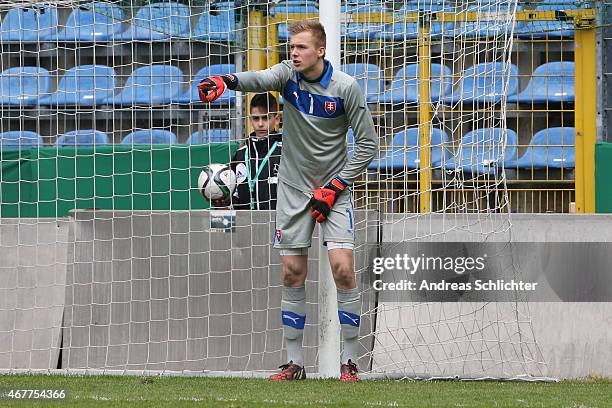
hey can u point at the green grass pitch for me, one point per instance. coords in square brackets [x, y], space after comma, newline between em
[113, 391]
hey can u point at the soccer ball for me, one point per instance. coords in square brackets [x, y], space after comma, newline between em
[217, 181]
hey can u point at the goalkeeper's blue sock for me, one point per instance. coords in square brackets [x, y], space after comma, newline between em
[349, 307]
[293, 315]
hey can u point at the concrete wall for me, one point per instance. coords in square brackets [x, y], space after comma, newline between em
[160, 291]
[32, 291]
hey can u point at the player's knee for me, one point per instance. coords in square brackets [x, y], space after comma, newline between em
[293, 274]
[343, 274]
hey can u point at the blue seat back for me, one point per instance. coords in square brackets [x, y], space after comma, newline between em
[84, 137]
[20, 139]
[554, 79]
[210, 136]
[151, 136]
[30, 24]
[552, 147]
[484, 146]
[215, 69]
[405, 150]
[153, 84]
[94, 21]
[168, 18]
[405, 81]
[24, 85]
[216, 25]
[487, 80]
[87, 83]
[294, 7]
[368, 76]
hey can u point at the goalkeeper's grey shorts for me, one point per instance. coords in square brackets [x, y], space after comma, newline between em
[294, 223]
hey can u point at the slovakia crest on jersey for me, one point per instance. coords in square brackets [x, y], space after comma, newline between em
[330, 107]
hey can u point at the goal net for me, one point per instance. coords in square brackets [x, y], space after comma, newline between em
[111, 259]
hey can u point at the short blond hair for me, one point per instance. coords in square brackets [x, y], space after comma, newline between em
[315, 27]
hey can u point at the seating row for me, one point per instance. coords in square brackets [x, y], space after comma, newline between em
[89, 85]
[480, 151]
[158, 21]
[22, 139]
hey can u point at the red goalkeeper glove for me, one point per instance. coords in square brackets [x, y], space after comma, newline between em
[323, 198]
[212, 87]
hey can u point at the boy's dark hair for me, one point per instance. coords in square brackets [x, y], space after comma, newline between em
[265, 101]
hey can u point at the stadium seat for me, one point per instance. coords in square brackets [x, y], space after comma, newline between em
[93, 22]
[20, 139]
[368, 76]
[401, 31]
[191, 95]
[150, 85]
[480, 151]
[552, 82]
[405, 152]
[210, 136]
[549, 148]
[361, 31]
[23, 86]
[216, 25]
[147, 137]
[85, 85]
[34, 24]
[158, 21]
[85, 137]
[294, 7]
[485, 83]
[499, 21]
[405, 86]
[548, 29]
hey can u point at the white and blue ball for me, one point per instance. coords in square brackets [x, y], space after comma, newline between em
[217, 181]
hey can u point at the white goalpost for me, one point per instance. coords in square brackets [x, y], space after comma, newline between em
[112, 262]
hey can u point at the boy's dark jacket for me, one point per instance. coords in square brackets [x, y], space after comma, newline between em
[264, 190]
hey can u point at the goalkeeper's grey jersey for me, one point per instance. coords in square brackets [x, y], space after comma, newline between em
[316, 118]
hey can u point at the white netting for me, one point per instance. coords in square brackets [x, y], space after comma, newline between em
[138, 279]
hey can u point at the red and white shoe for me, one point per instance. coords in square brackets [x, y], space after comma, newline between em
[349, 372]
[289, 372]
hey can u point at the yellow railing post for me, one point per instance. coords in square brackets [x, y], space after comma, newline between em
[256, 49]
[424, 116]
[585, 114]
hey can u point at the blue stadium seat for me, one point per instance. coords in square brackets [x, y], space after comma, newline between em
[549, 148]
[93, 22]
[548, 29]
[33, 24]
[499, 21]
[158, 21]
[405, 85]
[485, 83]
[23, 86]
[20, 139]
[283, 32]
[361, 31]
[85, 85]
[85, 137]
[210, 136]
[294, 7]
[216, 25]
[150, 85]
[400, 31]
[368, 76]
[552, 82]
[405, 152]
[480, 151]
[147, 137]
[191, 95]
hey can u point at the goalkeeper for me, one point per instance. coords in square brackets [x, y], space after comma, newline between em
[320, 104]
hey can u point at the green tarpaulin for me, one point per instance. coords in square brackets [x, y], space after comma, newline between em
[50, 181]
[603, 177]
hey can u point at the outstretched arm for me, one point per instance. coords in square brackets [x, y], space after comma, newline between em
[271, 79]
